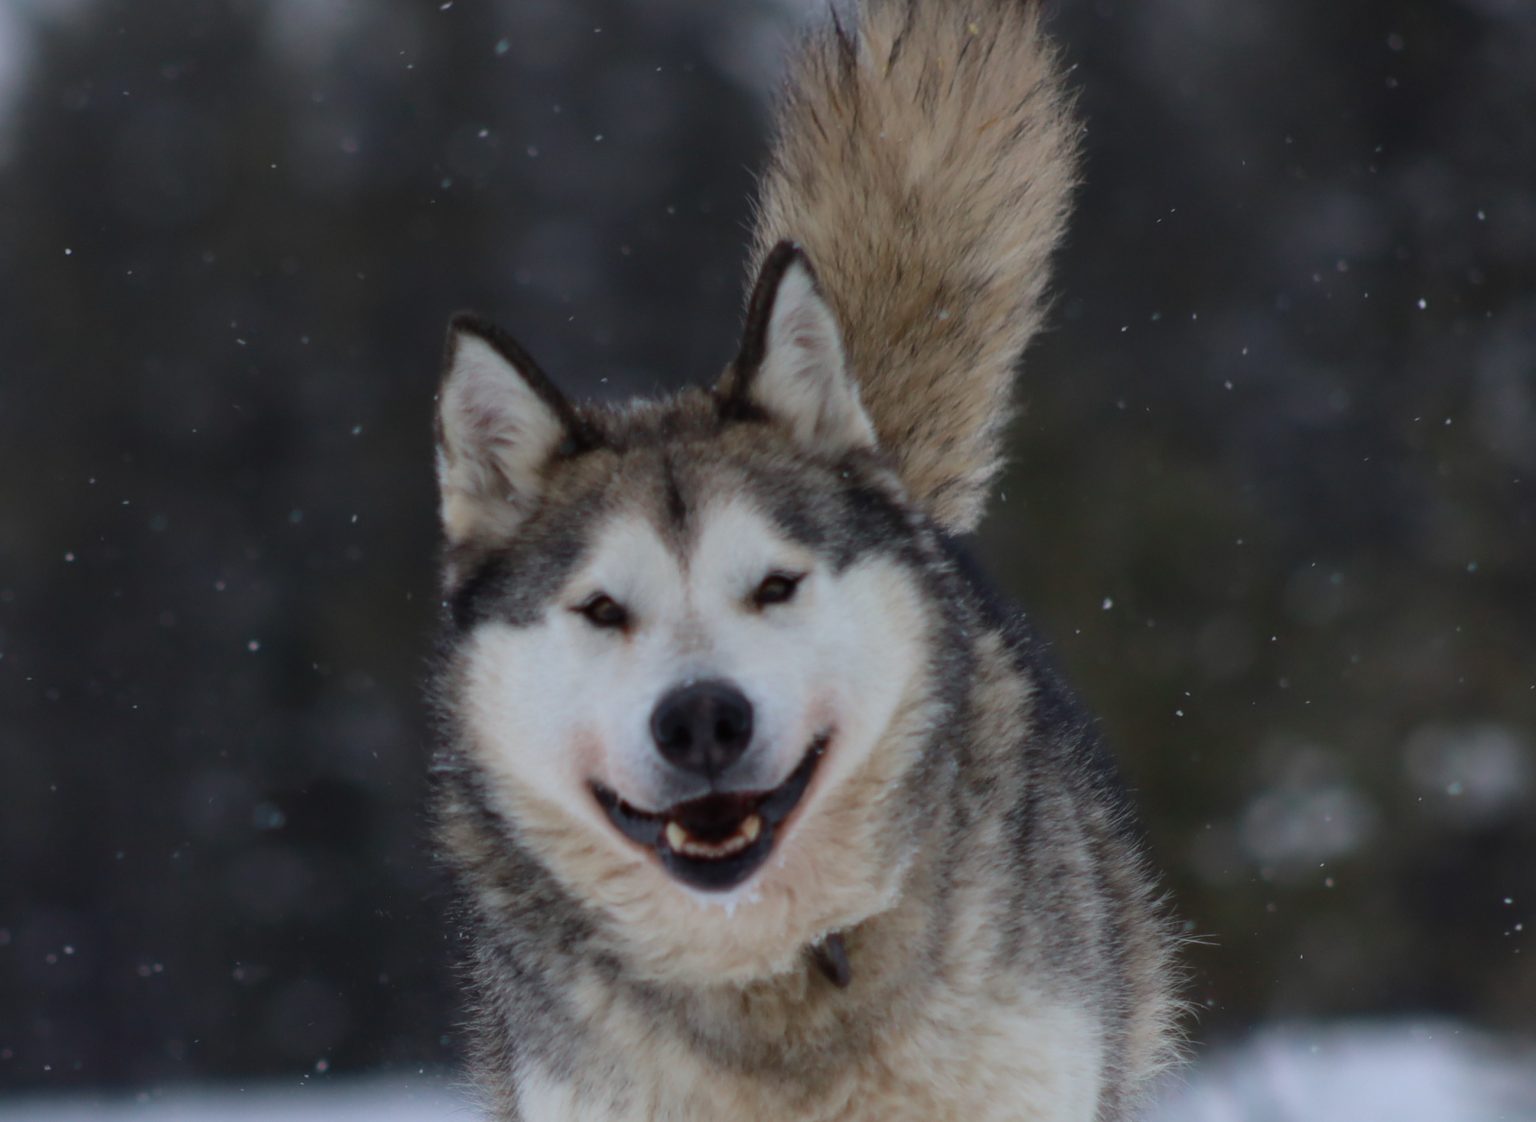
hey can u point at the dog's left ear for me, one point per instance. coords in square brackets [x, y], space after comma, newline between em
[501, 423]
[791, 366]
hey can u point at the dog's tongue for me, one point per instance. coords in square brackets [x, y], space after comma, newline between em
[713, 818]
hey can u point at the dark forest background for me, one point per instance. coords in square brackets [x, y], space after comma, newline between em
[1274, 493]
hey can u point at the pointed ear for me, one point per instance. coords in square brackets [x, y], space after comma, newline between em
[791, 364]
[500, 422]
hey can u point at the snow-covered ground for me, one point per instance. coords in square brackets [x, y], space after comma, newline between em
[1385, 1072]
[1397, 1072]
[336, 1100]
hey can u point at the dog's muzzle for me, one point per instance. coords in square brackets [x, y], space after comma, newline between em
[717, 841]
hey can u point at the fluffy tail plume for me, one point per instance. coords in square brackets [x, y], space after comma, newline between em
[925, 161]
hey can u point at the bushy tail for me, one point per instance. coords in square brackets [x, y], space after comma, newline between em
[925, 161]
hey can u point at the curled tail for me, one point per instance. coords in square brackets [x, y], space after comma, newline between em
[925, 162]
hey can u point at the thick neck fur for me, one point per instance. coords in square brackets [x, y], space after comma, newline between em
[535, 947]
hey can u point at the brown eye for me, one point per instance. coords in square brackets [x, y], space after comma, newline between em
[777, 588]
[604, 611]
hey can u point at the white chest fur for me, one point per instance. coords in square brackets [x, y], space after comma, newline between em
[1032, 1062]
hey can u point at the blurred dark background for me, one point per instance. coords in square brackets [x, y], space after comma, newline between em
[1274, 494]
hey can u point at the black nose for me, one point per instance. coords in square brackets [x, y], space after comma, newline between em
[703, 728]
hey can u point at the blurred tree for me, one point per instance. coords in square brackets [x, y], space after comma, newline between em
[1273, 490]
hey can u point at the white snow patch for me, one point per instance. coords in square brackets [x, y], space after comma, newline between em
[1402, 1071]
[377, 1100]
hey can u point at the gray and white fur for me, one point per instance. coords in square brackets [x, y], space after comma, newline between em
[761, 804]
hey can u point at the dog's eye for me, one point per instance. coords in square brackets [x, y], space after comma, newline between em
[604, 611]
[776, 589]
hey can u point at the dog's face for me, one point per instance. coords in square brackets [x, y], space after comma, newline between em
[692, 640]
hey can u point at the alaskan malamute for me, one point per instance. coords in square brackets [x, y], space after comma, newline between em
[762, 806]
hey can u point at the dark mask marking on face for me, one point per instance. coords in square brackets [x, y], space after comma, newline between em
[677, 506]
[874, 522]
[468, 602]
[514, 585]
[843, 524]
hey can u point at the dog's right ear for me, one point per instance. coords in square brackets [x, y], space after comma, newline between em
[500, 422]
[791, 366]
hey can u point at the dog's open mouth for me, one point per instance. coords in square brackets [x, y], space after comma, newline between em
[717, 841]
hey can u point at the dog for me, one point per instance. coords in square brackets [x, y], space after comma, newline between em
[762, 805]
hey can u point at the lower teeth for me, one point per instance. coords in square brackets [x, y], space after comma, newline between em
[686, 844]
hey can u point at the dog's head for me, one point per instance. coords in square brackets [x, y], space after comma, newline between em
[691, 641]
